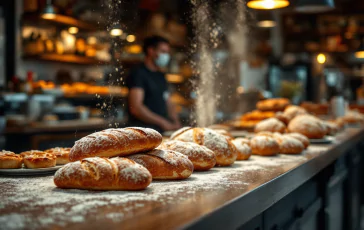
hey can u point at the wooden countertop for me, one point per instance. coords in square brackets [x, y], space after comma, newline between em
[236, 193]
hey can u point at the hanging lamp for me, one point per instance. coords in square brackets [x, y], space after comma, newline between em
[49, 12]
[267, 4]
[314, 6]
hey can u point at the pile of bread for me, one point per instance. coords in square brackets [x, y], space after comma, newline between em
[34, 159]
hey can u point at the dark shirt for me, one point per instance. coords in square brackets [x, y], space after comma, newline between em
[155, 89]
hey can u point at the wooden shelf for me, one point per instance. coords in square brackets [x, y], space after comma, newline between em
[61, 20]
[66, 58]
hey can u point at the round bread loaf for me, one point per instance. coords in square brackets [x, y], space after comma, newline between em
[115, 142]
[165, 164]
[224, 150]
[244, 151]
[292, 111]
[98, 173]
[274, 104]
[225, 133]
[38, 159]
[10, 160]
[201, 157]
[283, 118]
[304, 140]
[62, 154]
[264, 146]
[270, 125]
[289, 145]
[308, 126]
[243, 140]
[331, 127]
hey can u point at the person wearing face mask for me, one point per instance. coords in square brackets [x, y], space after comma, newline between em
[149, 101]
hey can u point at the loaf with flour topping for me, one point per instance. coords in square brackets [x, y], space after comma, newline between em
[97, 173]
[115, 142]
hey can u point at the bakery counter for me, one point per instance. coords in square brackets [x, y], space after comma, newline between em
[241, 196]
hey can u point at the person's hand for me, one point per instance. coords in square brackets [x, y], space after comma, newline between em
[168, 126]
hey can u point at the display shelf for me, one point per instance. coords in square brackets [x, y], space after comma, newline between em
[66, 58]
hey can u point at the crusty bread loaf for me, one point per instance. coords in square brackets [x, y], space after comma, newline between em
[115, 142]
[165, 164]
[307, 125]
[38, 159]
[244, 150]
[98, 173]
[201, 157]
[10, 160]
[292, 111]
[264, 145]
[304, 140]
[224, 150]
[228, 135]
[62, 154]
[289, 145]
[270, 125]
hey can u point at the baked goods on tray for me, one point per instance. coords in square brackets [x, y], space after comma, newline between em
[98, 173]
[165, 164]
[38, 159]
[308, 125]
[292, 111]
[317, 109]
[271, 125]
[264, 145]
[10, 160]
[289, 145]
[115, 142]
[244, 150]
[274, 104]
[62, 154]
[304, 140]
[224, 150]
[201, 157]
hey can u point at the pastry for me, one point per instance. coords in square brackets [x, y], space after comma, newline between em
[353, 117]
[201, 157]
[98, 173]
[271, 125]
[307, 125]
[62, 154]
[304, 140]
[257, 115]
[10, 160]
[283, 118]
[292, 111]
[243, 140]
[225, 133]
[224, 150]
[165, 164]
[331, 127]
[289, 145]
[115, 142]
[244, 150]
[264, 146]
[274, 104]
[38, 159]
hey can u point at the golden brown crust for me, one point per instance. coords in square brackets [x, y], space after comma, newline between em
[283, 118]
[39, 159]
[62, 154]
[289, 145]
[225, 133]
[304, 140]
[224, 150]
[257, 115]
[165, 164]
[308, 126]
[10, 160]
[244, 150]
[264, 146]
[201, 157]
[115, 142]
[270, 125]
[274, 104]
[98, 173]
[292, 111]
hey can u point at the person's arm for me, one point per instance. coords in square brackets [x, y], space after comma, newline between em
[172, 113]
[139, 110]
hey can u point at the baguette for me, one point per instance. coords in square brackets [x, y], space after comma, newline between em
[201, 157]
[115, 142]
[98, 173]
[165, 164]
[224, 150]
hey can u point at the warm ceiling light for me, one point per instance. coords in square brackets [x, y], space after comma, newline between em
[116, 32]
[266, 24]
[314, 6]
[130, 38]
[321, 58]
[92, 40]
[359, 54]
[267, 4]
[73, 30]
[49, 12]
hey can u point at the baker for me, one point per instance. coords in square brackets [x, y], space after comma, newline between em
[149, 101]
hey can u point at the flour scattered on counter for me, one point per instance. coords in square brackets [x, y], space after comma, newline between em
[57, 207]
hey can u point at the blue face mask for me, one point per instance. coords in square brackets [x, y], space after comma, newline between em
[162, 60]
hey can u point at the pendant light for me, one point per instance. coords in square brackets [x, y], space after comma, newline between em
[265, 20]
[359, 53]
[314, 6]
[116, 30]
[49, 12]
[267, 4]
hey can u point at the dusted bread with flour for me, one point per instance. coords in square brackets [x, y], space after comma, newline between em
[98, 173]
[224, 150]
[115, 142]
[165, 164]
[201, 157]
